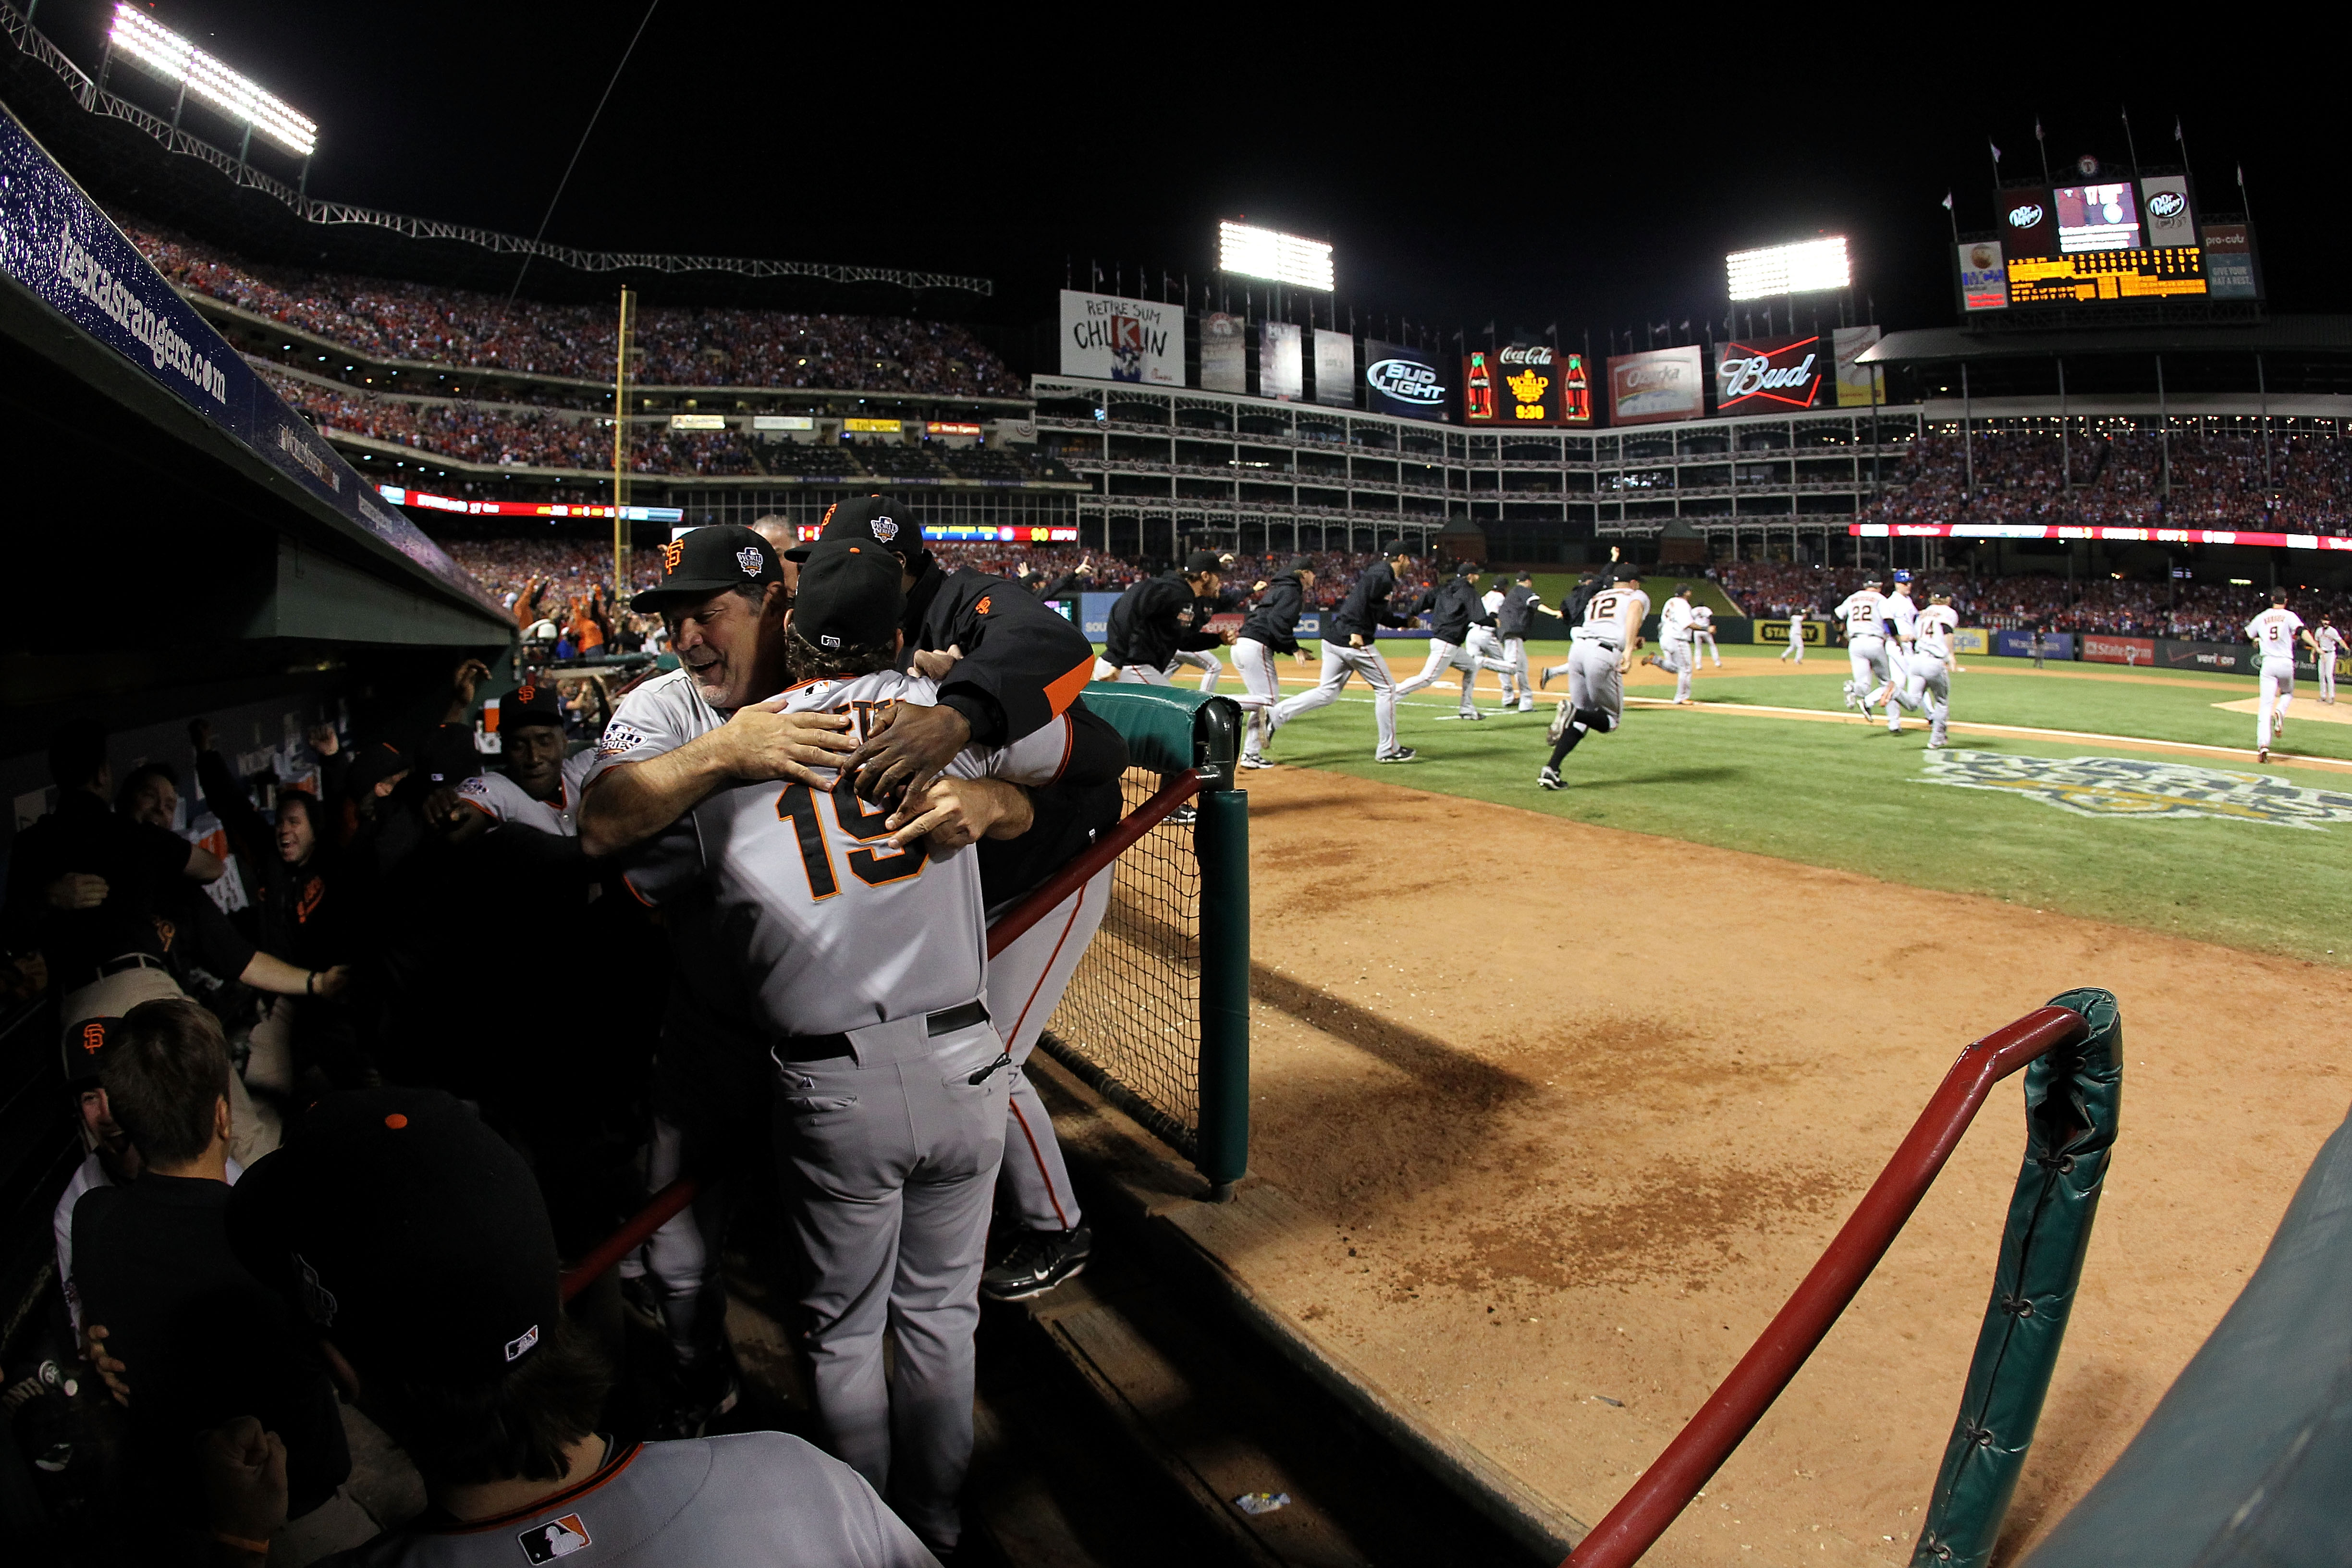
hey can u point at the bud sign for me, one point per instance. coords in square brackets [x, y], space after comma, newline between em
[1766, 375]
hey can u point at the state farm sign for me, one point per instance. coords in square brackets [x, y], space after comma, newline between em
[1766, 375]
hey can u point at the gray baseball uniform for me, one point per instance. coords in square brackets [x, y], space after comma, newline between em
[1594, 683]
[762, 1497]
[1026, 982]
[868, 965]
[500, 798]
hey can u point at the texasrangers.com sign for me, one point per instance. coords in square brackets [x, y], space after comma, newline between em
[1766, 375]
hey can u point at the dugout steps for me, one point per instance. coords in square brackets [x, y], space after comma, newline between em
[1217, 1385]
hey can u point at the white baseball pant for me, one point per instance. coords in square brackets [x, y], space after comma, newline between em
[1340, 663]
[2278, 690]
[1256, 662]
[1203, 659]
[1026, 982]
[1594, 682]
[1515, 653]
[1457, 656]
[1142, 675]
[889, 1160]
[1866, 657]
[2325, 666]
[1674, 656]
[1705, 642]
[1796, 649]
[1925, 686]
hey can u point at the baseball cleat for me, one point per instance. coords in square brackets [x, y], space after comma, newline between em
[1039, 1260]
[1849, 695]
[1396, 755]
[1470, 713]
[1548, 778]
[1526, 705]
[1543, 680]
[1558, 725]
[1255, 763]
[1935, 742]
[2262, 756]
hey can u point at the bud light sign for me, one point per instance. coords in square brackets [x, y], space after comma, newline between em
[1767, 375]
[1403, 380]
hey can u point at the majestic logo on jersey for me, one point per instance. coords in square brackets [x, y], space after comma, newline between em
[885, 529]
[672, 553]
[557, 1538]
[93, 1037]
[2142, 787]
[522, 1342]
[317, 1301]
[619, 740]
[750, 560]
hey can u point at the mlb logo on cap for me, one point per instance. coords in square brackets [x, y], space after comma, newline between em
[557, 1538]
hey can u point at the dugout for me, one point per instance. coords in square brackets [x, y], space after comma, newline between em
[179, 544]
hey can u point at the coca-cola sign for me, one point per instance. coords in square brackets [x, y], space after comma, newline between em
[1761, 375]
[1524, 384]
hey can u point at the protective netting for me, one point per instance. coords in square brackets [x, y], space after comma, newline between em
[1131, 1022]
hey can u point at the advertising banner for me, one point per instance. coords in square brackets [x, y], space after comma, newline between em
[1224, 352]
[1971, 640]
[1984, 280]
[1661, 384]
[2230, 261]
[2100, 648]
[1094, 614]
[2164, 202]
[1403, 380]
[1517, 385]
[2233, 657]
[1280, 372]
[1775, 629]
[2056, 645]
[1767, 375]
[65, 252]
[2027, 225]
[1855, 379]
[1112, 338]
[1335, 368]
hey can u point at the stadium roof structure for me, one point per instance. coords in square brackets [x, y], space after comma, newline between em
[128, 151]
[2274, 334]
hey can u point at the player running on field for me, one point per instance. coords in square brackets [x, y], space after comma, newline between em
[1673, 654]
[1898, 615]
[1866, 643]
[1206, 607]
[1159, 618]
[1352, 649]
[1599, 653]
[1514, 616]
[2328, 646]
[1927, 671]
[1454, 606]
[1271, 628]
[1796, 649]
[2274, 633]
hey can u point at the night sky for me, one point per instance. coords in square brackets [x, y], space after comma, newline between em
[1466, 170]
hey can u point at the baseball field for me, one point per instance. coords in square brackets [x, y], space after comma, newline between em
[1570, 1088]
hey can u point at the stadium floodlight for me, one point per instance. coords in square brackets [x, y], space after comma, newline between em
[1789, 268]
[1280, 257]
[173, 58]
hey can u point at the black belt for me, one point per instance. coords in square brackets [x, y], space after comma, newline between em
[820, 1048]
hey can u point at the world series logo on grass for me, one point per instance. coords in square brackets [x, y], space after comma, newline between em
[2141, 787]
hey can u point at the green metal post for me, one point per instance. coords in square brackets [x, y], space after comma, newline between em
[2072, 1097]
[1221, 840]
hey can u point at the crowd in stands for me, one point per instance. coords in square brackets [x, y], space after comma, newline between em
[2117, 478]
[2193, 611]
[382, 319]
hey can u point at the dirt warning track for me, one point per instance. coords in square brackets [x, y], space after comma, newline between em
[1572, 1109]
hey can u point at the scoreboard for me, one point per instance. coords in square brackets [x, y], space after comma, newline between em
[2133, 274]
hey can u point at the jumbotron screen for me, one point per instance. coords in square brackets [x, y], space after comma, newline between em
[2106, 237]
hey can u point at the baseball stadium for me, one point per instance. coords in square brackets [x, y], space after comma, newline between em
[890, 816]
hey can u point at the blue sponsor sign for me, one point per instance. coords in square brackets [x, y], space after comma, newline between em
[57, 245]
[2020, 644]
[1094, 614]
[1308, 626]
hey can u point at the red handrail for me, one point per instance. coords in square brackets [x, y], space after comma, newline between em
[1731, 1412]
[1013, 923]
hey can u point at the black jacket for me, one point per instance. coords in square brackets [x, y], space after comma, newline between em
[138, 862]
[1152, 621]
[1517, 601]
[1274, 621]
[1453, 606]
[1071, 813]
[1022, 662]
[1366, 608]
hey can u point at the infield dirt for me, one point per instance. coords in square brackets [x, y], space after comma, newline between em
[1573, 1110]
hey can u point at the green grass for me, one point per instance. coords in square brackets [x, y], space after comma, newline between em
[1848, 796]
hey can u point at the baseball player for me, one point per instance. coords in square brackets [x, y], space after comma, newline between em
[1484, 640]
[1515, 616]
[1898, 614]
[2274, 633]
[1703, 636]
[540, 787]
[1159, 619]
[861, 934]
[1352, 649]
[1862, 613]
[1206, 607]
[1454, 606]
[1928, 671]
[1600, 651]
[1272, 628]
[380, 1200]
[1674, 653]
[2328, 646]
[1796, 648]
